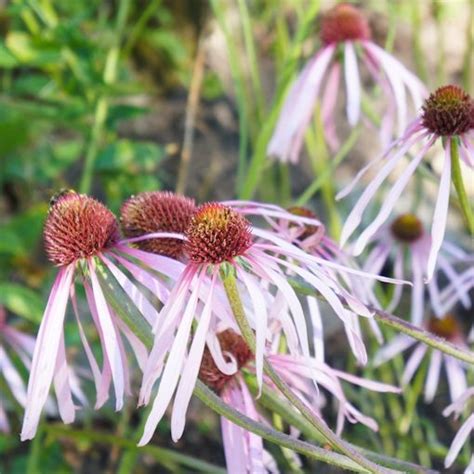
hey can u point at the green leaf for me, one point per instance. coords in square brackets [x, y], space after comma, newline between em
[7, 60]
[21, 301]
[28, 50]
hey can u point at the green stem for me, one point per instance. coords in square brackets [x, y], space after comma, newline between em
[401, 325]
[164, 456]
[232, 292]
[459, 186]
[102, 105]
[129, 314]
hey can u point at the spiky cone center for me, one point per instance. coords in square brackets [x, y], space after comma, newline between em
[344, 23]
[317, 232]
[448, 111]
[407, 228]
[217, 234]
[78, 227]
[157, 211]
[233, 344]
[447, 327]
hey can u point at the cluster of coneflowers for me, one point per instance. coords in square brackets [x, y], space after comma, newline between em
[168, 260]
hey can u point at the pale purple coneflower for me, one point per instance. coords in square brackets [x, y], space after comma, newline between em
[345, 35]
[21, 346]
[244, 451]
[465, 431]
[406, 245]
[82, 238]
[448, 328]
[447, 116]
[219, 235]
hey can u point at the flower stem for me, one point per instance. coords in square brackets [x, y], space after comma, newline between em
[232, 292]
[401, 325]
[459, 186]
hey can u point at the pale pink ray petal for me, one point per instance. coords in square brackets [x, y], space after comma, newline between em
[399, 274]
[233, 440]
[456, 377]
[154, 235]
[397, 345]
[279, 311]
[329, 103]
[46, 349]
[317, 328]
[12, 377]
[418, 290]
[457, 406]
[454, 279]
[467, 152]
[432, 378]
[261, 315]
[459, 440]
[355, 216]
[352, 80]
[139, 299]
[62, 385]
[173, 367]
[226, 366]
[191, 368]
[111, 346]
[138, 348]
[354, 336]
[413, 363]
[391, 199]
[440, 215]
[23, 342]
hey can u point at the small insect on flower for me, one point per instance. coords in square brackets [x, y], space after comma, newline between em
[405, 244]
[82, 238]
[345, 35]
[447, 116]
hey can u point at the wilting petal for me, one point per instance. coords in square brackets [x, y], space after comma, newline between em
[12, 377]
[456, 377]
[317, 327]
[432, 377]
[352, 79]
[413, 363]
[397, 345]
[459, 440]
[46, 350]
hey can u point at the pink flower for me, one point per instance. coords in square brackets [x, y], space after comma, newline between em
[21, 345]
[447, 328]
[217, 235]
[244, 451]
[345, 35]
[406, 233]
[82, 238]
[464, 433]
[447, 115]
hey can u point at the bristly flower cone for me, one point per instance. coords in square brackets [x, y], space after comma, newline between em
[78, 227]
[216, 234]
[157, 211]
[447, 327]
[407, 228]
[231, 343]
[344, 23]
[448, 111]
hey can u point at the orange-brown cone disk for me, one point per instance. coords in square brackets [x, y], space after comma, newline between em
[232, 343]
[447, 327]
[407, 228]
[344, 23]
[157, 211]
[448, 111]
[217, 234]
[77, 227]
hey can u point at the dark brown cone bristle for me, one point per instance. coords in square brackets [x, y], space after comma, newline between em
[157, 211]
[78, 227]
[217, 234]
[232, 343]
[344, 23]
[448, 111]
[447, 327]
[407, 228]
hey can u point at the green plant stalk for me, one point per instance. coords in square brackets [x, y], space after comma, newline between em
[126, 311]
[34, 464]
[233, 296]
[102, 105]
[459, 186]
[165, 456]
[391, 321]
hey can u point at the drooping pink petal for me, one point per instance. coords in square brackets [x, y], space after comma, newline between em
[432, 377]
[46, 349]
[12, 377]
[440, 215]
[413, 363]
[397, 345]
[317, 327]
[352, 80]
[328, 105]
[459, 440]
[153, 235]
[418, 291]
[173, 367]
[456, 377]
[111, 346]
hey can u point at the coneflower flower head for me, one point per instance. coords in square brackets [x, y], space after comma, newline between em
[157, 211]
[344, 23]
[407, 228]
[448, 111]
[217, 234]
[447, 116]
